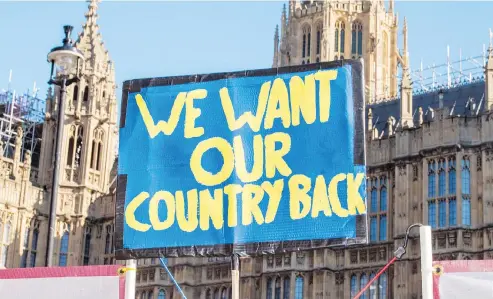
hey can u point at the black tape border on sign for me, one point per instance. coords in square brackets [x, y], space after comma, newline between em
[249, 249]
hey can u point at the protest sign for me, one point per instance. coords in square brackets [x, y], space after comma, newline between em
[247, 162]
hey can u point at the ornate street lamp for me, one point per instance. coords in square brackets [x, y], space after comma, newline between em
[66, 60]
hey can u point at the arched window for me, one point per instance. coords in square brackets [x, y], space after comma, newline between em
[150, 295]
[277, 289]
[230, 292]
[383, 199]
[373, 287]
[74, 153]
[286, 287]
[340, 38]
[353, 286]
[87, 246]
[75, 96]
[362, 283]
[268, 292]
[451, 176]
[107, 245]
[70, 153]
[357, 39]
[63, 249]
[223, 294]
[431, 178]
[307, 36]
[25, 247]
[382, 286]
[161, 295]
[97, 149]
[208, 294]
[298, 288]
[143, 296]
[319, 38]
[216, 294]
[34, 247]
[466, 191]
[441, 178]
[374, 201]
[86, 94]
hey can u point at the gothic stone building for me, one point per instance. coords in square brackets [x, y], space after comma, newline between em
[85, 207]
[429, 160]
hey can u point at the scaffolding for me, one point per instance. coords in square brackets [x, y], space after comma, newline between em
[26, 110]
[452, 73]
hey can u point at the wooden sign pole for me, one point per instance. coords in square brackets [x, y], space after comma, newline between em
[235, 276]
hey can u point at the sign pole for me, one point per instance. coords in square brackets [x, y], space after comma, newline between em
[130, 279]
[235, 276]
[426, 261]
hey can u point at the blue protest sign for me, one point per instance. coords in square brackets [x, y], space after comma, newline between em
[246, 162]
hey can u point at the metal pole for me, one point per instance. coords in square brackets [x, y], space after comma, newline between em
[56, 174]
[130, 275]
[426, 262]
[235, 277]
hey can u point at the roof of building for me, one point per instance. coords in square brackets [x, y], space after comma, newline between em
[456, 99]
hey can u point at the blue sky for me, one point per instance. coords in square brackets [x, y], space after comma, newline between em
[169, 38]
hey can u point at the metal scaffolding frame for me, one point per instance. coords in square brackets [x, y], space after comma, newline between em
[26, 110]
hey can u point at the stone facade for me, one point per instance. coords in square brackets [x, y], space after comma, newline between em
[430, 160]
[85, 205]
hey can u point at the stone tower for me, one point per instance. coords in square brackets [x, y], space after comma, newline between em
[89, 139]
[314, 31]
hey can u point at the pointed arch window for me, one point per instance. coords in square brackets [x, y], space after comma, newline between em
[466, 191]
[161, 295]
[97, 149]
[208, 294]
[319, 39]
[382, 286]
[87, 246]
[306, 46]
[224, 294]
[62, 262]
[216, 294]
[75, 96]
[354, 288]
[286, 287]
[268, 293]
[86, 94]
[74, 153]
[362, 283]
[277, 289]
[107, 246]
[441, 178]
[34, 247]
[298, 290]
[25, 248]
[150, 295]
[451, 176]
[340, 38]
[373, 287]
[357, 39]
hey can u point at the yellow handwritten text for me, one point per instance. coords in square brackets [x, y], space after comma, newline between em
[204, 209]
[276, 100]
[234, 158]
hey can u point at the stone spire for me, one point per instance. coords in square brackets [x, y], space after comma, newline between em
[391, 6]
[90, 41]
[405, 53]
[275, 62]
[489, 77]
[406, 106]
